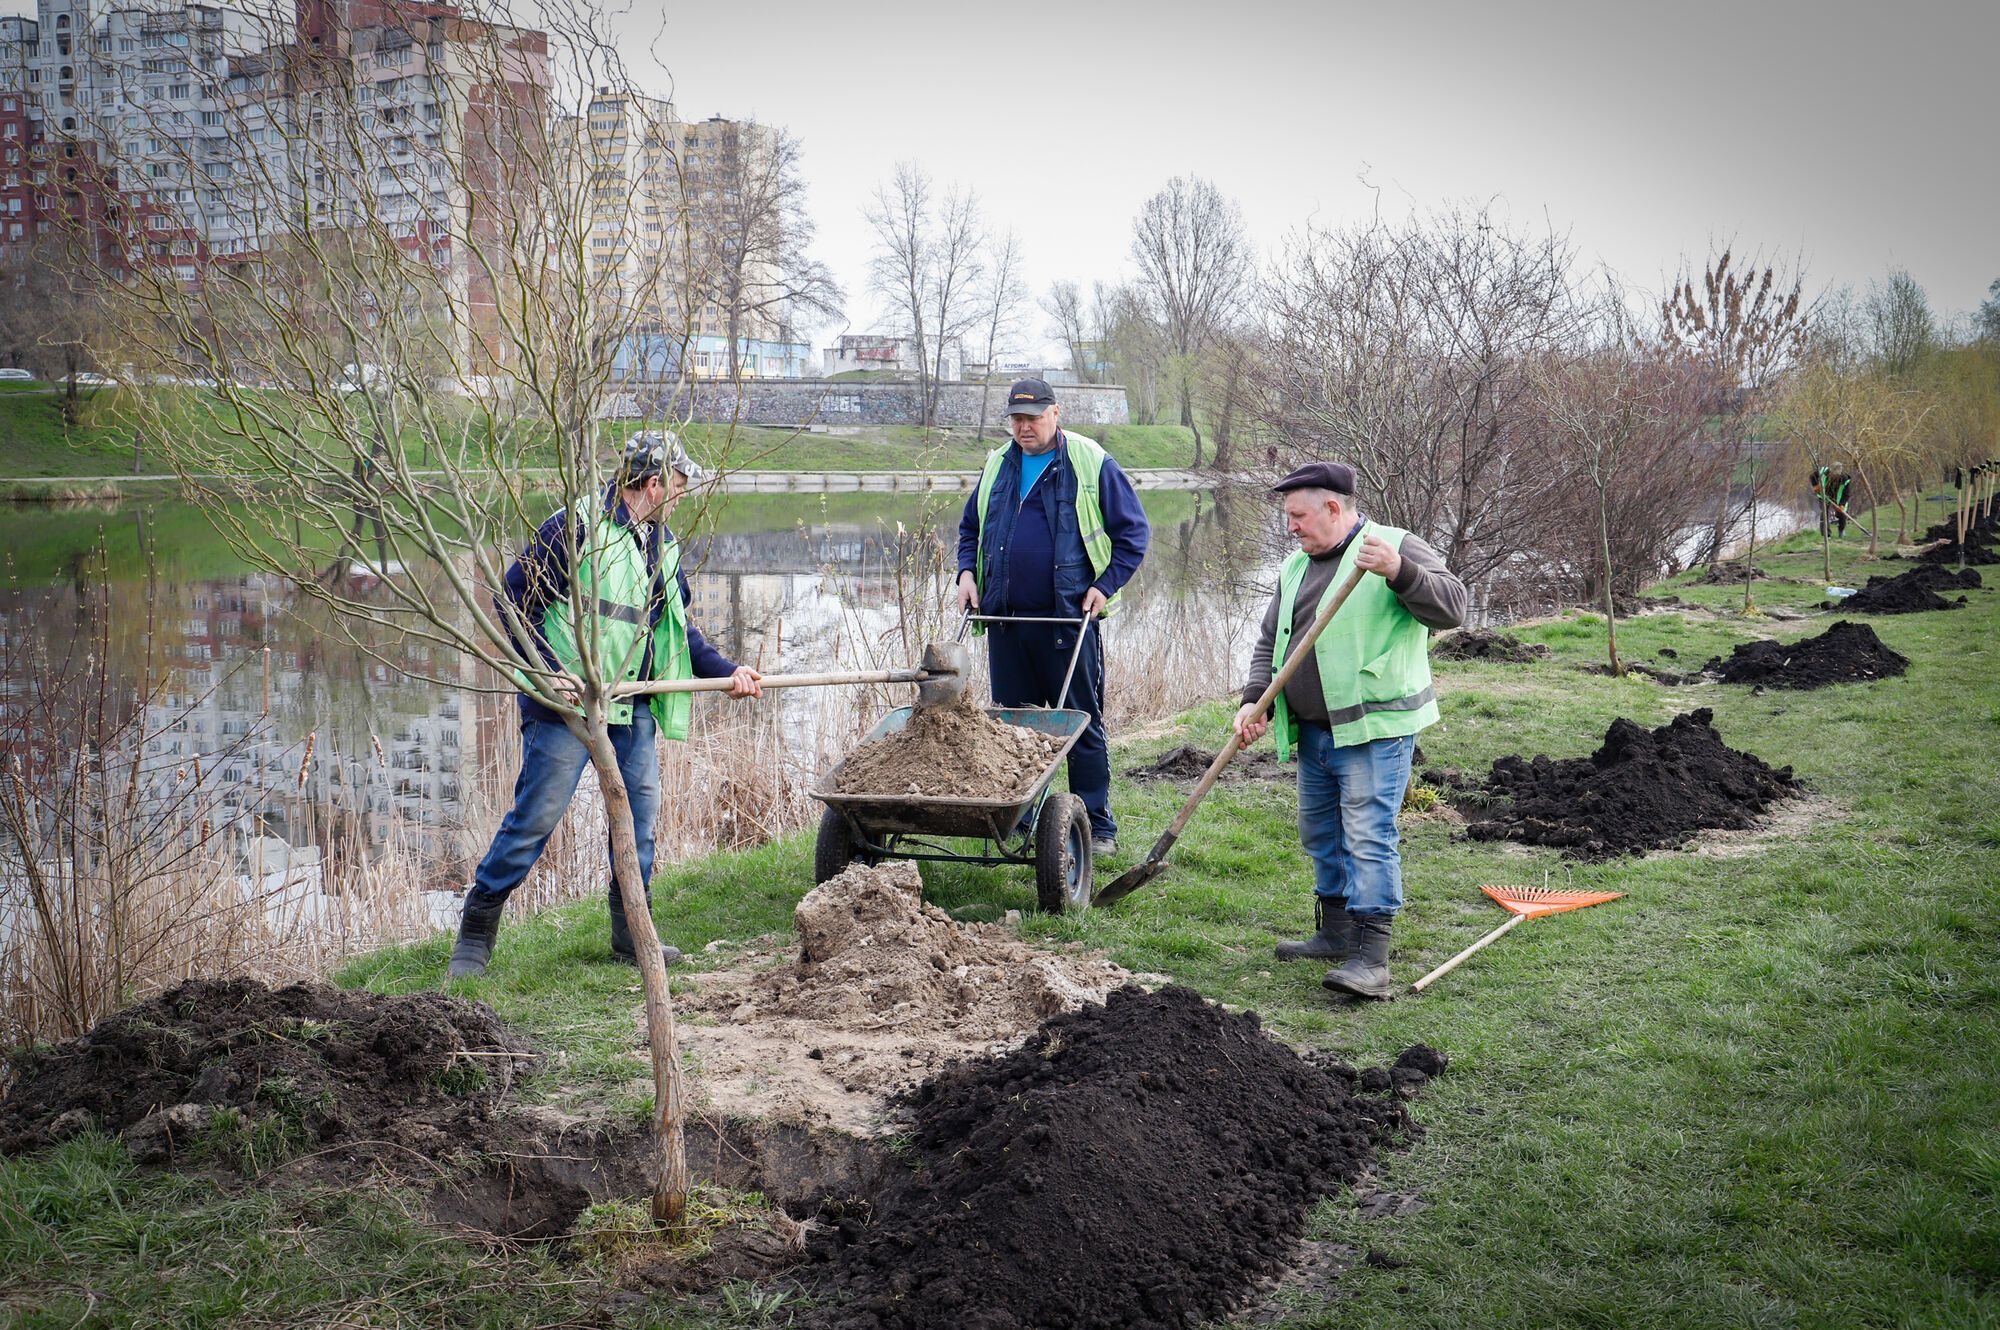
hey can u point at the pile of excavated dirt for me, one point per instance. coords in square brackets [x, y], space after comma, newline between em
[954, 751]
[1485, 644]
[1844, 653]
[882, 991]
[1732, 572]
[1911, 592]
[1136, 1164]
[337, 1066]
[1980, 538]
[1642, 790]
[1188, 763]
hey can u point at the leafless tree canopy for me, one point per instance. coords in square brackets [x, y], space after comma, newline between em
[928, 259]
[1402, 349]
[1195, 271]
[1902, 328]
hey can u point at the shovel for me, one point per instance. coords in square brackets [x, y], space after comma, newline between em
[940, 678]
[1155, 861]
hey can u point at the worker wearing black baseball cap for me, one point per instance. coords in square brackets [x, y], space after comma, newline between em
[1054, 530]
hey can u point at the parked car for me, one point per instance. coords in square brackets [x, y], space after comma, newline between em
[16, 376]
[95, 381]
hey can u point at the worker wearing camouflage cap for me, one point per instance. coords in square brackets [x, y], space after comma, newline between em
[632, 563]
[1352, 709]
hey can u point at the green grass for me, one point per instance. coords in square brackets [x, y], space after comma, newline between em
[1756, 1091]
[35, 442]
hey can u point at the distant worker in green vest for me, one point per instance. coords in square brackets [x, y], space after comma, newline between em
[1829, 486]
[1053, 530]
[1352, 711]
[630, 564]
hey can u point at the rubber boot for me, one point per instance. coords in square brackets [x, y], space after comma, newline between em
[621, 938]
[1366, 973]
[477, 927]
[1333, 934]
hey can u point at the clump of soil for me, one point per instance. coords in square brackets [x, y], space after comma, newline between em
[1729, 573]
[1844, 653]
[953, 751]
[883, 990]
[1642, 790]
[333, 1065]
[1911, 592]
[1485, 644]
[1188, 763]
[1134, 1164]
[1979, 544]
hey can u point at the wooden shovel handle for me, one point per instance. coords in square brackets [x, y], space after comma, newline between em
[724, 684]
[1276, 686]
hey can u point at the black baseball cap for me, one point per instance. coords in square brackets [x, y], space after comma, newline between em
[1029, 397]
[1335, 476]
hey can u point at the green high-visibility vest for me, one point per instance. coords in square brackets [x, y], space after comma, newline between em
[1086, 458]
[611, 582]
[1374, 658]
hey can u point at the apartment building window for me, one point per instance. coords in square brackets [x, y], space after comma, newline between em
[178, 92]
[213, 120]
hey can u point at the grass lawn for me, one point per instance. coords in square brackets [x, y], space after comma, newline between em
[36, 443]
[1757, 1091]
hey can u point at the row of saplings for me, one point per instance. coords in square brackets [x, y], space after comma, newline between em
[1143, 1163]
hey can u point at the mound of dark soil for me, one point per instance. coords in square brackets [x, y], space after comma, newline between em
[1911, 592]
[334, 1065]
[1133, 1165]
[1730, 573]
[1844, 653]
[1643, 790]
[1188, 763]
[1979, 548]
[1485, 644]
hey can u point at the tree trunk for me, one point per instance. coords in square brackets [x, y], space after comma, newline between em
[1750, 561]
[672, 1180]
[1721, 531]
[1187, 417]
[1610, 598]
[1874, 512]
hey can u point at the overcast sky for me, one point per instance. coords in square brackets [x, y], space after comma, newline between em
[1862, 136]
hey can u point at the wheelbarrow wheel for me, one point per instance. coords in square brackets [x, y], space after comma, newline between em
[835, 849]
[1062, 855]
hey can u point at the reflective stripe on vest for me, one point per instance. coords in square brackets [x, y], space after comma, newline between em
[1086, 459]
[1373, 659]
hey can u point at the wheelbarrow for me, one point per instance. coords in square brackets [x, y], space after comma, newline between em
[1051, 832]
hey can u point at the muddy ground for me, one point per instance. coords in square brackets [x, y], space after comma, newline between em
[1641, 790]
[1188, 763]
[955, 751]
[1136, 1164]
[1485, 644]
[1845, 653]
[883, 991]
[1910, 593]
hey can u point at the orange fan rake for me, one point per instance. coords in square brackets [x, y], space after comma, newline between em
[1522, 903]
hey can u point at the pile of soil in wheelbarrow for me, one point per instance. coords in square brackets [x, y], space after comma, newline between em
[321, 1064]
[1188, 763]
[1642, 790]
[1844, 653]
[1910, 593]
[953, 751]
[1485, 644]
[882, 991]
[1137, 1164]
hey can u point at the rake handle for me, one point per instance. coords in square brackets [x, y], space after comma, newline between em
[1465, 955]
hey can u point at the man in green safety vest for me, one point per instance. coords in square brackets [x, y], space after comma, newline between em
[623, 566]
[1053, 531]
[1829, 486]
[1352, 710]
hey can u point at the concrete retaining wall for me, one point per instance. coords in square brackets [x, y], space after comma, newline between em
[826, 402]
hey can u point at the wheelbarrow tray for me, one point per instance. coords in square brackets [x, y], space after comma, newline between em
[877, 816]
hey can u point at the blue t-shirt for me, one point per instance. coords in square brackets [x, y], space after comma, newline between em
[1032, 467]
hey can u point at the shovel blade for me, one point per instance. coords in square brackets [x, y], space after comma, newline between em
[1130, 881]
[947, 663]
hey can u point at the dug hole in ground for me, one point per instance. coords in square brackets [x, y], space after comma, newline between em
[955, 1128]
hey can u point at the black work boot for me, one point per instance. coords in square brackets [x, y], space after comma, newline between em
[1366, 973]
[621, 937]
[1332, 937]
[477, 927]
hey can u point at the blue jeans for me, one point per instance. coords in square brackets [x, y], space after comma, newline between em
[1348, 799]
[1027, 662]
[552, 762]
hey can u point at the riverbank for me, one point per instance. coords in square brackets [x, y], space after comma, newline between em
[1756, 1090]
[38, 449]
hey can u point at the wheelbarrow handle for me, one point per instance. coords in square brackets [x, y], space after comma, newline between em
[1082, 623]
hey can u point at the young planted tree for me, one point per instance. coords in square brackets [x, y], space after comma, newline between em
[411, 346]
[1743, 327]
[1195, 271]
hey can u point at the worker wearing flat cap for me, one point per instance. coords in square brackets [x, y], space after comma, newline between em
[1352, 710]
[1054, 530]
